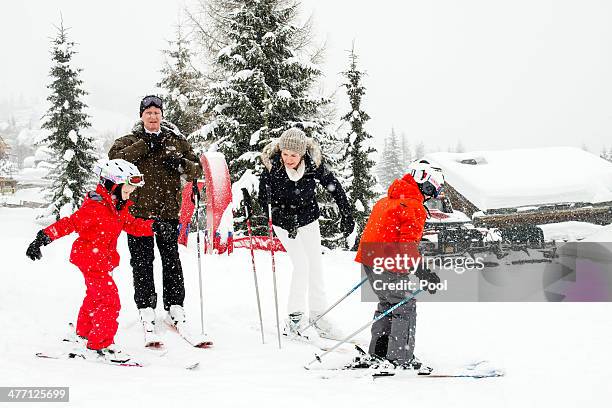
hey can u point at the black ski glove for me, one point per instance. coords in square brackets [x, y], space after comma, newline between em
[154, 142]
[292, 232]
[424, 274]
[165, 230]
[175, 164]
[248, 203]
[33, 252]
[293, 228]
[347, 225]
[195, 191]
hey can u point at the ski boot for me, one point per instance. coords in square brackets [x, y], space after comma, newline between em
[72, 337]
[414, 364]
[147, 317]
[176, 320]
[369, 361]
[111, 354]
[292, 326]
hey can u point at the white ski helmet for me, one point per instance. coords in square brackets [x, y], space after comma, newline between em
[429, 178]
[119, 171]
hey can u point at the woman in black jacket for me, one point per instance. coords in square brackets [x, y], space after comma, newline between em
[293, 165]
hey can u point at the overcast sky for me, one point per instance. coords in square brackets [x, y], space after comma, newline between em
[493, 74]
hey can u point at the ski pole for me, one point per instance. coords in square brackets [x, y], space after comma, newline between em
[365, 326]
[334, 305]
[248, 209]
[271, 236]
[196, 193]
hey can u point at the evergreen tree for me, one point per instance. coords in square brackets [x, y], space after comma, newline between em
[65, 120]
[406, 152]
[264, 85]
[7, 168]
[459, 148]
[419, 151]
[357, 159]
[4, 148]
[183, 86]
[390, 165]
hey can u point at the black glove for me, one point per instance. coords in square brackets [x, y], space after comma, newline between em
[175, 164]
[292, 231]
[195, 191]
[154, 142]
[164, 230]
[293, 228]
[33, 252]
[347, 225]
[248, 203]
[424, 274]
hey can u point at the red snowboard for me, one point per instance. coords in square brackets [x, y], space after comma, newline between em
[218, 197]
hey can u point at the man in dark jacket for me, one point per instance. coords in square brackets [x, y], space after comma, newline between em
[163, 155]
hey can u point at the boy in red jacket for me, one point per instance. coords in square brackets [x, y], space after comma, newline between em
[395, 227]
[99, 221]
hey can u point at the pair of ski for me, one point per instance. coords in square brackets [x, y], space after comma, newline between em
[79, 353]
[476, 370]
[194, 340]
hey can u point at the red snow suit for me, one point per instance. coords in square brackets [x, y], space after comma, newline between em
[395, 225]
[98, 224]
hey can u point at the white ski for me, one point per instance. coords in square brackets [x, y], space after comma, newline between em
[74, 355]
[195, 340]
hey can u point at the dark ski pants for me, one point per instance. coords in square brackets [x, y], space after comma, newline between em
[97, 320]
[393, 336]
[142, 255]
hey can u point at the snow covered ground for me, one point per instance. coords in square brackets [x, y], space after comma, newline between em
[555, 354]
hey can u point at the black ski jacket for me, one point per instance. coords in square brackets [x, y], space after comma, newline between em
[294, 203]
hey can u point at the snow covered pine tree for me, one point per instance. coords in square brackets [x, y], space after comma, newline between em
[265, 70]
[390, 165]
[183, 85]
[357, 164]
[73, 151]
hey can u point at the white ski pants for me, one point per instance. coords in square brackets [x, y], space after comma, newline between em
[307, 279]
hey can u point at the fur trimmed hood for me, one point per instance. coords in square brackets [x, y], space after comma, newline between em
[165, 125]
[313, 150]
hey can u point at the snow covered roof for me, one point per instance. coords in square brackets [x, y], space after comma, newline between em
[527, 177]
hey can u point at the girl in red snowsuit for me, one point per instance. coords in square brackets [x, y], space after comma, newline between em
[99, 221]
